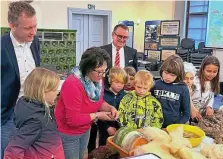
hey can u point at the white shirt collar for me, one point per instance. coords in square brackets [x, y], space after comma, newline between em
[17, 44]
[113, 46]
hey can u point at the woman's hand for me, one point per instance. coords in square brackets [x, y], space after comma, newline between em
[114, 113]
[104, 116]
[209, 111]
[109, 108]
[111, 131]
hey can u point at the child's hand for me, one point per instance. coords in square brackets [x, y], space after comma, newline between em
[190, 90]
[114, 113]
[209, 111]
[111, 131]
[198, 116]
[195, 114]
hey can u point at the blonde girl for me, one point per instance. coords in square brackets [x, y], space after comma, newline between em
[37, 135]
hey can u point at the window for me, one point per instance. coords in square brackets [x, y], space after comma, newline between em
[196, 20]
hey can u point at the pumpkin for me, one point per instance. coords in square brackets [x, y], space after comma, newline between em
[129, 138]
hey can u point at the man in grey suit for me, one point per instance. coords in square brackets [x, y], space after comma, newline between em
[128, 56]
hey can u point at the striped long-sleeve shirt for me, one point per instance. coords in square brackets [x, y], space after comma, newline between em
[202, 99]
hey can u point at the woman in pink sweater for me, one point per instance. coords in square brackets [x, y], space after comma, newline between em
[81, 102]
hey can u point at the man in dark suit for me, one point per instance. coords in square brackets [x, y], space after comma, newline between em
[19, 56]
[128, 56]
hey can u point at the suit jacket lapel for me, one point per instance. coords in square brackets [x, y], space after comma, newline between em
[33, 52]
[126, 56]
[110, 53]
[11, 52]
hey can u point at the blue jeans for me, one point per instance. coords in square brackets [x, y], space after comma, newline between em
[7, 131]
[75, 145]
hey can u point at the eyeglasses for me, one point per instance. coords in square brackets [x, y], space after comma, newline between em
[120, 37]
[101, 73]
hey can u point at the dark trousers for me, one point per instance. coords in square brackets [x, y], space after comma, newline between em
[93, 136]
[103, 135]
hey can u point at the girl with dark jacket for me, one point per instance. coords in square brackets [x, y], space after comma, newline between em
[36, 136]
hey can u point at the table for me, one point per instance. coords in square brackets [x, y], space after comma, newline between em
[156, 74]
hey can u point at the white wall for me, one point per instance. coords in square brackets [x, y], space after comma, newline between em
[179, 14]
[219, 54]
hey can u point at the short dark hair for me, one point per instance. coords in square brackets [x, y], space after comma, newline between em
[174, 64]
[92, 58]
[209, 60]
[123, 26]
[17, 8]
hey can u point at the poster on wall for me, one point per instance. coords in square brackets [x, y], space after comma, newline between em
[153, 54]
[170, 27]
[152, 32]
[150, 45]
[169, 41]
[166, 53]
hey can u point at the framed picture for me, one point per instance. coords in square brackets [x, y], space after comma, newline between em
[169, 42]
[170, 27]
[153, 54]
[166, 53]
[151, 45]
[151, 32]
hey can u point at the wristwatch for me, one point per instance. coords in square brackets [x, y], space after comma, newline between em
[96, 117]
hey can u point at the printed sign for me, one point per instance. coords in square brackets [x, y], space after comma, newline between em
[170, 27]
[169, 42]
[154, 54]
[166, 53]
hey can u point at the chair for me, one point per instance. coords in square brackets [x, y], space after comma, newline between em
[188, 43]
[196, 58]
[202, 50]
[183, 54]
[187, 46]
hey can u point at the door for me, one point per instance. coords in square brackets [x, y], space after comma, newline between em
[90, 32]
[78, 23]
[95, 30]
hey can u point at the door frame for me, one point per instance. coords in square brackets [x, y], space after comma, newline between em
[106, 13]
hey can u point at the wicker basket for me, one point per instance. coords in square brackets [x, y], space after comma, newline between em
[124, 153]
